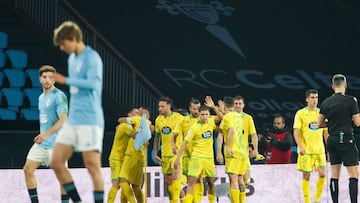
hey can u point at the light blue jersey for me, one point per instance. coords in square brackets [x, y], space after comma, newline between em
[85, 81]
[50, 105]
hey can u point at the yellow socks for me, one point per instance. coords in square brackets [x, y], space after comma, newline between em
[211, 198]
[198, 192]
[306, 190]
[138, 194]
[175, 190]
[319, 187]
[235, 195]
[112, 195]
[242, 197]
[123, 197]
[188, 198]
[170, 191]
[129, 194]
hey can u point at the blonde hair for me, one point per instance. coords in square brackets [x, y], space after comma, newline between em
[68, 30]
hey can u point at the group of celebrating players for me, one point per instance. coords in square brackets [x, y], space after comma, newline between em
[187, 154]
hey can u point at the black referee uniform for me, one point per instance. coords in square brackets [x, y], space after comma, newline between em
[339, 109]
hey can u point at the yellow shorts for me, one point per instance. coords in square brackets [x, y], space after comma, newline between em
[235, 165]
[310, 162]
[115, 167]
[167, 164]
[247, 164]
[185, 164]
[132, 170]
[198, 165]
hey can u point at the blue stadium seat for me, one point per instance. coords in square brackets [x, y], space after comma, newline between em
[1, 80]
[3, 40]
[14, 98]
[30, 114]
[7, 114]
[18, 58]
[33, 75]
[15, 77]
[2, 59]
[33, 96]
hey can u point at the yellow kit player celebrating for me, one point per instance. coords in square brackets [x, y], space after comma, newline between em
[311, 150]
[165, 124]
[248, 130]
[121, 138]
[235, 150]
[132, 169]
[201, 136]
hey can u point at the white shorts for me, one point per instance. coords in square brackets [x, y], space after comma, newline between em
[40, 154]
[81, 137]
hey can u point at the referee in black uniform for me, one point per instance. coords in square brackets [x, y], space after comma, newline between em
[341, 110]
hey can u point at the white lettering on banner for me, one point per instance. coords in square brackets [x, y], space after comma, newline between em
[299, 79]
[277, 183]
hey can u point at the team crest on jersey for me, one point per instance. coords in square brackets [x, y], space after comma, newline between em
[207, 134]
[166, 130]
[313, 125]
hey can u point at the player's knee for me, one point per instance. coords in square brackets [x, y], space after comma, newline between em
[28, 170]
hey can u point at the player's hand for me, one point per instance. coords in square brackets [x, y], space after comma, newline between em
[302, 150]
[209, 102]
[221, 106]
[158, 159]
[39, 138]
[174, 149]
[59, 78]
[230, 153]
[219, 158]
[253, 153]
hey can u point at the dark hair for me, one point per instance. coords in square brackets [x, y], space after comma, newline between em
[311, 91]
[280, 116]
[165, 99]
[229, 101]
[194, 101]
[204, 108]
[338, 80]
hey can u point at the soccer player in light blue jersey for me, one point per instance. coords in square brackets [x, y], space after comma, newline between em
[84, 129]
[53, 108]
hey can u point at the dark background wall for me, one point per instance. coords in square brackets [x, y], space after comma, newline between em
[270, 52]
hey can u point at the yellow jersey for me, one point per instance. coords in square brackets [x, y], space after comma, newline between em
[183, 128]
[130, 150]
[248, 128]
[311, 137]
[120, 142]
[165, 126]
[233, 119]
[201, 136]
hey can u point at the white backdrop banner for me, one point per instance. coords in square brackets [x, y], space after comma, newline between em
[270, 184]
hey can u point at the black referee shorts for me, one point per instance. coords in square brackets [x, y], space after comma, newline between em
[345, 152]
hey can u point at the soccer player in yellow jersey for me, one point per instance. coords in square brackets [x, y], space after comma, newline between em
[122, 135]
[181, 129]
[248, 130]
[201, 136]
[132, 169]
[235, 150]
[311, 150]
[165, 124]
